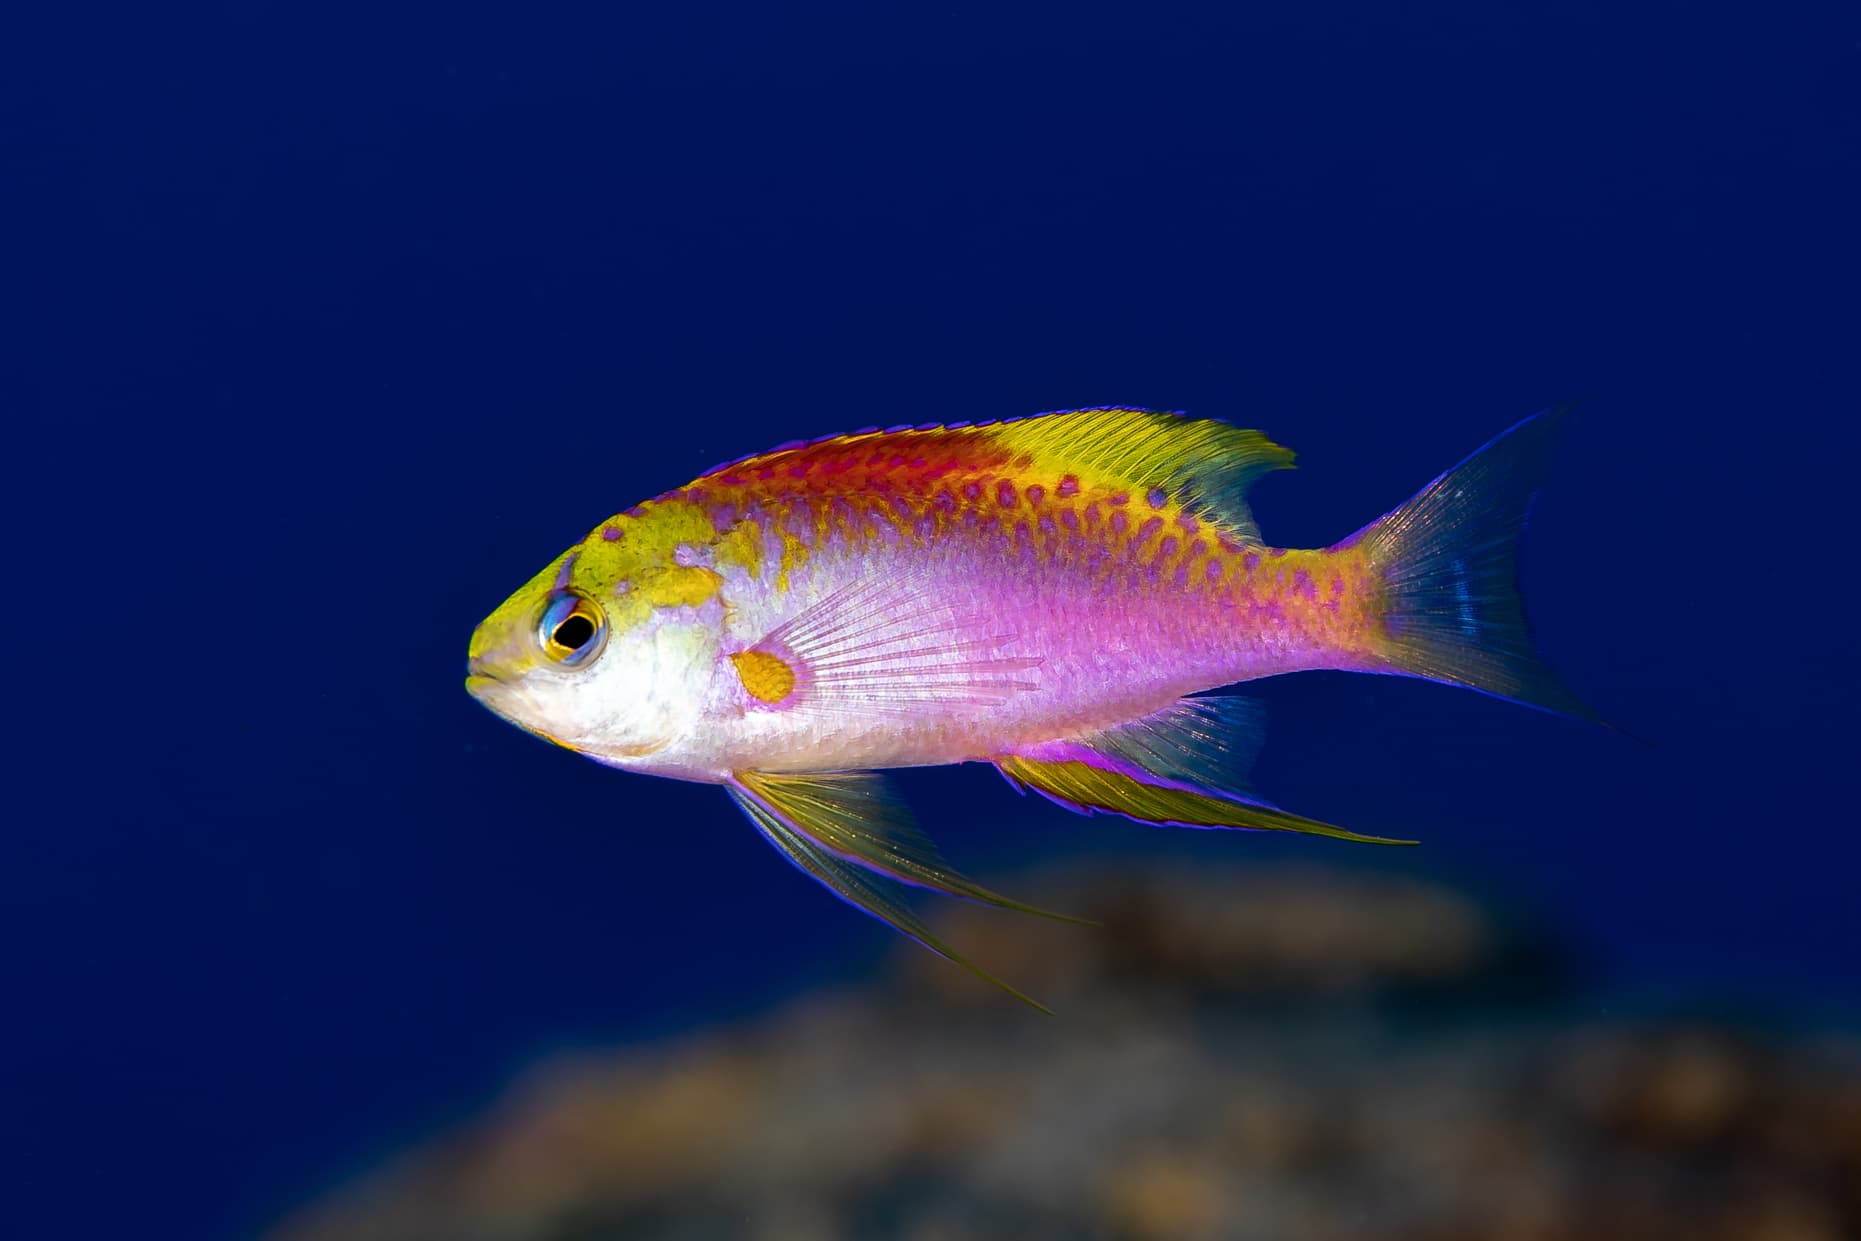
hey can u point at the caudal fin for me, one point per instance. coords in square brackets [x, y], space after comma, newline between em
[1449, 564]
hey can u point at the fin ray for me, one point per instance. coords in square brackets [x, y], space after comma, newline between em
[1206, 465]
[867, 891]
[1172, 767]
[1209, 743]
[1449, 558]
[892, 644]
[855, 816]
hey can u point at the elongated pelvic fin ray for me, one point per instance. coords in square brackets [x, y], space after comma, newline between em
[869, 891]
[1181, 766]
[856, 817]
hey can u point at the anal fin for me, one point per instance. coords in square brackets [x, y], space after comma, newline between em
[1181, 766]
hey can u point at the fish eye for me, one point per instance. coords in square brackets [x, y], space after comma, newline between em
[572, 629]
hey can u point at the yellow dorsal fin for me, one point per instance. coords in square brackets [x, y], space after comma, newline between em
[1203, 465]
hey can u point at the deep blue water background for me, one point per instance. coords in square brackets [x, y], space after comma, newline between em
[327, 327]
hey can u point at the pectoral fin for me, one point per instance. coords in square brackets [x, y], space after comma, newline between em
[890, 645]
[1181, 766]
[870, 890]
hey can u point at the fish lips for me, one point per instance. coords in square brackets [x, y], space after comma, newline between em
[494, 692]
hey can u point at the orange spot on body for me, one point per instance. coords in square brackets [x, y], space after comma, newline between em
[765, 677]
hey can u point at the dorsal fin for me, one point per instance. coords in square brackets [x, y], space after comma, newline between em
[1201, 465]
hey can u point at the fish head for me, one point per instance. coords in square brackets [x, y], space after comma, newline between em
[608, 651]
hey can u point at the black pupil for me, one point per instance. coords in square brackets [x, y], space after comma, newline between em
[574, 632]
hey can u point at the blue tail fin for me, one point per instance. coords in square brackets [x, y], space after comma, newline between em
[1449, 560]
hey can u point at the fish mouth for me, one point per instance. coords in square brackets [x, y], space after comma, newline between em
[478, 675]
[503, 700]
[487, 686]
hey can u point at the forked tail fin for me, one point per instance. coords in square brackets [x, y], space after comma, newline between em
[1449, 565]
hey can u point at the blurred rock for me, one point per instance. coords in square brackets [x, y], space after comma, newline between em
[1278, 1054]
[1278, 935]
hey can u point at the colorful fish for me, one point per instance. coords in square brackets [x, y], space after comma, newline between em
[1047, 595]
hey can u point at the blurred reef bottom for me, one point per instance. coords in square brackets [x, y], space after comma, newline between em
[1279, 1054]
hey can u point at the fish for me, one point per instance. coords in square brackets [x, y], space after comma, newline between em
[1059, 595]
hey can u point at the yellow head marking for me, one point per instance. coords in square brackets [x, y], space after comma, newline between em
[681, 586]
[742, 547]
[765, 676]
